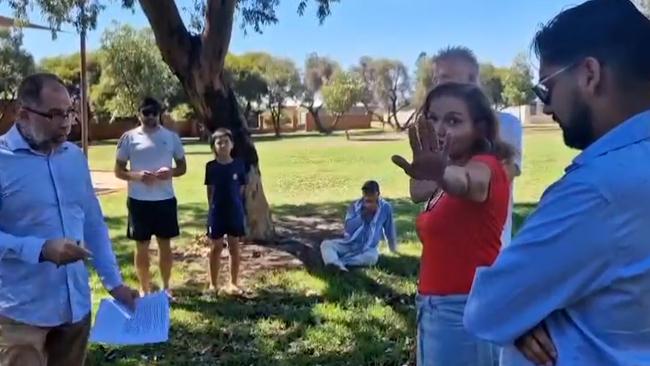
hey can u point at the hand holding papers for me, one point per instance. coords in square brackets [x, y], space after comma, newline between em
[114, 324]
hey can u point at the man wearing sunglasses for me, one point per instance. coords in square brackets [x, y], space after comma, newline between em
[151, 150]
[573, 288]
[50, 222]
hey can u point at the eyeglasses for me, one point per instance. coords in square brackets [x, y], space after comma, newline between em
[542, 91]
[53, 114]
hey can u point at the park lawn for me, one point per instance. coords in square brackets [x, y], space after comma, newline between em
[304, 317]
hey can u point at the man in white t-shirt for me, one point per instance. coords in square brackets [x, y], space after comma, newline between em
[150, 151]
[459, 64]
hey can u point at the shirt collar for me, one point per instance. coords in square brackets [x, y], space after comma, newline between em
[633, 130]
[15, 141]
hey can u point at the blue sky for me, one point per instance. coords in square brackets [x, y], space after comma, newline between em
[495, 29]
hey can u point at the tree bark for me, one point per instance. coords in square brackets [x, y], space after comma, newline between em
[198, 62]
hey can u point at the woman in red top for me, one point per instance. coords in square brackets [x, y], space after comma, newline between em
[457, 146]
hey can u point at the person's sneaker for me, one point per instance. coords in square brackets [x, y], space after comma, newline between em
[342, 268]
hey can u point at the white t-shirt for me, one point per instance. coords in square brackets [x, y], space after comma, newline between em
[512, 133]
[150, 151]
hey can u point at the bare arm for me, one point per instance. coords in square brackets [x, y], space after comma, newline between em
[123, 173]
[181, 167]
[471, 181]
[422, 190]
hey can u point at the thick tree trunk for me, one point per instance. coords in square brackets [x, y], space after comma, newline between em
[198, 62]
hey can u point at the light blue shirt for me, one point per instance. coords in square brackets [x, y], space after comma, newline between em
[581, 263]
[46, 197]
[150, 151]
[372, 231]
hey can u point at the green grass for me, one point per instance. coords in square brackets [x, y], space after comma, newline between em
[297, 317]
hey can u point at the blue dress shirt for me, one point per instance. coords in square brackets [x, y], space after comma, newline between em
[42, 197]
[581, 263]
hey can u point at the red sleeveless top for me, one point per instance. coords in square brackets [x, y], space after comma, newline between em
[459, 235]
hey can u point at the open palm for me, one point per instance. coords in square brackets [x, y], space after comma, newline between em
[429, 159]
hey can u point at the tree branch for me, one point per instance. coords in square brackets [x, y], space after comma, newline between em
[172, 37]
[219, 17]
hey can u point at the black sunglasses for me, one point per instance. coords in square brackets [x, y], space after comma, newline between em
[150, 112]
[54, 113]
[542, 91]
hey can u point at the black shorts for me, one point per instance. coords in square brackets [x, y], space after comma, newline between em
[149, 218]
[229, 222]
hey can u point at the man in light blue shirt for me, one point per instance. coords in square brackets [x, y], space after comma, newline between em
[50, 222]
[367, 221]
[573, 288]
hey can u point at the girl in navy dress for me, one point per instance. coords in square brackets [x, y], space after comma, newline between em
[225, 179]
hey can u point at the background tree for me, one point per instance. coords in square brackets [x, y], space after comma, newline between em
[424, 69]
[318, 72]
[517, 89]
[344, 90]
[283, 83]
[492, 82]
[15, 64]
[133, 69]
[386, 83]
[68, 68]
[197, 56]
[246, 75]
[392, 88]
[366, 72]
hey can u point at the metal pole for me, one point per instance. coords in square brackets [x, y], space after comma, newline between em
[84, 85]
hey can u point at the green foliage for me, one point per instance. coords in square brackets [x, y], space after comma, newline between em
[253, 13]
[517, 89]
[68, 67]
[283, 82]
[342, 92]
[245, 73]
[132, 70]
[15, 63]
[492, 81]
[182, 112]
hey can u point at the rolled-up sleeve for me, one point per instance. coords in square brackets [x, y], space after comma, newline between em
[97, 240]
[562, 254]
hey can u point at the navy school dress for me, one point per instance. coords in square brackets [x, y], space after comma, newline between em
[226, 215]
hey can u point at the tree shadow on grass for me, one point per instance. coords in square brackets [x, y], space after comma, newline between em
[280, 325]
[274, 326]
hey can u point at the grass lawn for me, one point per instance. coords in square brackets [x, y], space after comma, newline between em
[300, 317]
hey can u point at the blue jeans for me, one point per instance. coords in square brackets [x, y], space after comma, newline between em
[442, 338]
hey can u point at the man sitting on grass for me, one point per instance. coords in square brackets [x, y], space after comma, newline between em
[366, 221]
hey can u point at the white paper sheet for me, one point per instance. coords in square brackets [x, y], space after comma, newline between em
[149, 324]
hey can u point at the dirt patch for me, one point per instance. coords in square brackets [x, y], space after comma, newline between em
[105, 182]
[298, 246]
